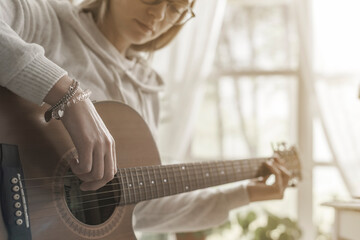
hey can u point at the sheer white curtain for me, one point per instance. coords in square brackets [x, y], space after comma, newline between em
[185, 65]
[330, 57]
[337, 73]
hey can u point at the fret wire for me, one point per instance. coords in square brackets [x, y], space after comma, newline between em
[136, 184]
[164, 182]
[175, 179]
[132, 184]
[151, 187]
[170, 181]
[258, 167]
[220, 171]
[141, 184]
[161, 180]
[203, 175]
[184, 184]
[233, 176]
[253, 173]
[223, 172]
[162, 186]
[192, 175]
[226, 179]
[227, 172]
[153, 181]
[247, 168]
[234, 169]
[200, 175]
[147, 182]
[127, 185]
[123, 187]
[156, 182]
[215, 173]
[210, 177]
[242, 169]
[189, 177]
[250, 169]
[180, 176]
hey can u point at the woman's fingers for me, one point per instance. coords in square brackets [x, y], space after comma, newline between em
[258, 190]
[113, 152]
[95, 145]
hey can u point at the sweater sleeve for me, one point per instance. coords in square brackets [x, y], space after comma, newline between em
[194, 211]
[24, 69]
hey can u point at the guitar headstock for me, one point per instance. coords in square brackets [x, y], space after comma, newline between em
[289, 156]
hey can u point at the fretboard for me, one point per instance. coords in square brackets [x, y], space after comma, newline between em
[145, 183]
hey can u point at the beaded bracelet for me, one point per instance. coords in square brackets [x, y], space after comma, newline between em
[57, 111]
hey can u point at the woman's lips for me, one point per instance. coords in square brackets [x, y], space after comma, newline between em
[144, 27]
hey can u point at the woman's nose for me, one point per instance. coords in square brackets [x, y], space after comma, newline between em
[158, 11]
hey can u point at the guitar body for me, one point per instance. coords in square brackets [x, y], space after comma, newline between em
[41, 149]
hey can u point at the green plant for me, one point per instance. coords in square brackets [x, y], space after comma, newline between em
[254, 227]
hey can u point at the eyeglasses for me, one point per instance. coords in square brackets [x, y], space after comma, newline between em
[178, 12]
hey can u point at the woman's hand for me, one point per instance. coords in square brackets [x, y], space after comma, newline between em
[95, 146]
[258, 190]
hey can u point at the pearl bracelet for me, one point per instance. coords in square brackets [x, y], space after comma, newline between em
[71, 97]
[60, 110]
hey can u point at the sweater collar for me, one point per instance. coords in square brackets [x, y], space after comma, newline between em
[133, 65]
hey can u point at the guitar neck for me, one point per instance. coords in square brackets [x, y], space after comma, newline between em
[145, 183]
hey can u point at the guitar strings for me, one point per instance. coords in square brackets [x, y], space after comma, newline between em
[130, 192]
[173, 168]
[155, 189]
[140, 177]
[136, 196]
[251, 160]
[199, 175]
[97, 207]
[114, 204]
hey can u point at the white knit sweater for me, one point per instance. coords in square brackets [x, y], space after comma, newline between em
[41, 40]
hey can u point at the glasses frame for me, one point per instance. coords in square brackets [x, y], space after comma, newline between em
[182, 20]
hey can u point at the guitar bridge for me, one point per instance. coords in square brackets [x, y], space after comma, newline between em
[13, 194]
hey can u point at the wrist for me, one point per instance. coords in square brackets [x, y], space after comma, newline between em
[60, 88]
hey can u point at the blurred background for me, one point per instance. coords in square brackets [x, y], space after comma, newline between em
[247, 73]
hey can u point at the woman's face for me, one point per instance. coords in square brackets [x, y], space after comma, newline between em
[135, 22]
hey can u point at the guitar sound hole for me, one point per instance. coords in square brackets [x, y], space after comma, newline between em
[91, 207]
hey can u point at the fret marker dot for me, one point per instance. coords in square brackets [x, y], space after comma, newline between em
[165, 180]
[141, 183]
[207, 174]
[130, 185]
[222, 172]
[187, 187]
[152, 182]
[183, 167]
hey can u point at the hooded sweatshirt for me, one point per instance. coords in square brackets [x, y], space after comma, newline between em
[42, 40]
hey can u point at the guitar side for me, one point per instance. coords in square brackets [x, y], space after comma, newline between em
[42, 147]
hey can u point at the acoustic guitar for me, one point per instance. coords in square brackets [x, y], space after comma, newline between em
[40, 197]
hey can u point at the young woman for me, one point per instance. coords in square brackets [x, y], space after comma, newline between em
[45, 44]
